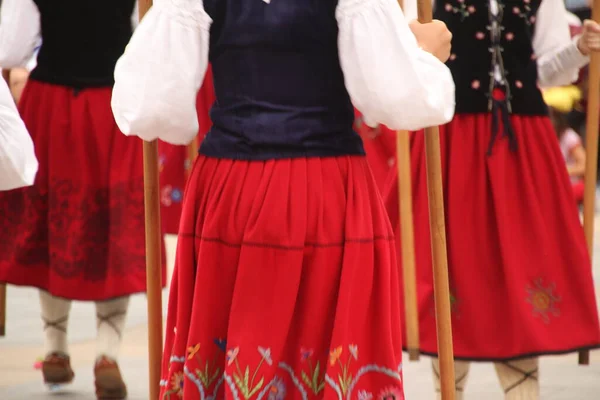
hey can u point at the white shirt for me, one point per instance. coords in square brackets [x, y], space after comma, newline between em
[18, 164]
[388, 77]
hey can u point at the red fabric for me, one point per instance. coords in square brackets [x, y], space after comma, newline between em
[79, 231]
[174, 161]
[520, 272]
[285, 274]
[578, 191]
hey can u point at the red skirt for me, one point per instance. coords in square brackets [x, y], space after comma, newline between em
[285, 284]
[175, 161]
[78, 232]
[520, 273]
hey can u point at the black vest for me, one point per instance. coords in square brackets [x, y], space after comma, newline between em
[475, 52]
[82, 41]
[278, 82]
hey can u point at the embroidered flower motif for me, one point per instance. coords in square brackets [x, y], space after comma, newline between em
[463, 10]
[475, 84]
[334, 355]
[192, 350]
[519, 84]
[277, 390]
[364, 395]
[391, 393]
[452, 57]
[305, 354]
[353, 349]
[221, 344]
[525, 13]
[165, 196]
[480, 35]
[266, 355]
[232, 355]
[176, 195]
[510, 36]
[177, 384]
[543, 300]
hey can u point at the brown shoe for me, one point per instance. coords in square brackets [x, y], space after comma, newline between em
[57, 370]
[109, 383]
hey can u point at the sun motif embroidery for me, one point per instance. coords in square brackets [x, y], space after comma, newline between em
[544, 300]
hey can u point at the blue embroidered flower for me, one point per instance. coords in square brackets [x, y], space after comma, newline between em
[176, 195]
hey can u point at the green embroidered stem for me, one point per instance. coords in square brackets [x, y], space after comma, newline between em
[256, 371]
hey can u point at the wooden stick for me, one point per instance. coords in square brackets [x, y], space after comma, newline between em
[2, 310]
[192, 153]
[407, 237]
[437, 227]
[591, 149]
[6, 77]
[153, 254]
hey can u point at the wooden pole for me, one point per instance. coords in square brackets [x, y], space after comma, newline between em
[153, 254]
[407, 237]
[591, 148]
[192, 153]
[2, 310]
[6, 77]
[438, 244]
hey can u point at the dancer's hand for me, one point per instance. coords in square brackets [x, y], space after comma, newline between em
[589, 41]
[434, 38]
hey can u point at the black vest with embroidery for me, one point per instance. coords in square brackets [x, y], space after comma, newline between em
[82, 41]
[476, 51]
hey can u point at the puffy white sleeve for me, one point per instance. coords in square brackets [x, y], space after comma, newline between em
[159, 75]
[18, 164]
[19, 32]
[389, 78]
[559, 59]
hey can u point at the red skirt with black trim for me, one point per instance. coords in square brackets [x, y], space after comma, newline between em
[520, 273]
[285, 284]
[78, 232]
[176, 162]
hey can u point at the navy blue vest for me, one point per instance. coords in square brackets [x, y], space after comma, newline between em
[82, 41]
[279, 86]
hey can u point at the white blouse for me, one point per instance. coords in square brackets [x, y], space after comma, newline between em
[18, 164]
[559, 60]
[389, 79]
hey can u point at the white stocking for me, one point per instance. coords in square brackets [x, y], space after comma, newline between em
[461, 373]
[55, 314]
[519, 379]
[110, 317]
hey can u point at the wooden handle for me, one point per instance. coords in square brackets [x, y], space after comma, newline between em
[192, 153]
[438, 244]
[407, 237]
[153, 254]
[2, 310]
[591, 149]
